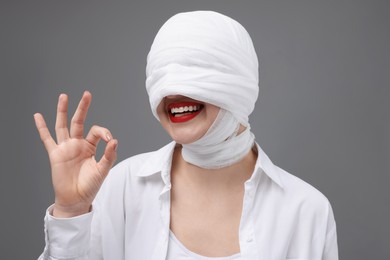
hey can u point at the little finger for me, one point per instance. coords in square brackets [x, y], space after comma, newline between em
[44, 133]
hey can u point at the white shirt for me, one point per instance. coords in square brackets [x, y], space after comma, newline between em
[282, 217]
[178, 251]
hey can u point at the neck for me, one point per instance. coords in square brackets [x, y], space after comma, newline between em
[230, 175]
[221, 146]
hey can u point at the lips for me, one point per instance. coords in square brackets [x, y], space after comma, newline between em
[180, 112]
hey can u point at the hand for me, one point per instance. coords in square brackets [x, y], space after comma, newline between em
[76, 175]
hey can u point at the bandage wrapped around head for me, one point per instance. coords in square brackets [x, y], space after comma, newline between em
[206, 56]
[209, 57]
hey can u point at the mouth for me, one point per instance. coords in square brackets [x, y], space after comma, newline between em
[181, 112]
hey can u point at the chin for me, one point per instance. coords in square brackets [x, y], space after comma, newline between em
[183, 139]
[186, 134]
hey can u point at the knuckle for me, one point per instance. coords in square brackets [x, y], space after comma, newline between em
[76, 121]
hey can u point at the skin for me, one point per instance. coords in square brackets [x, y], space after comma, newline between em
[76, 175]
[206, 205]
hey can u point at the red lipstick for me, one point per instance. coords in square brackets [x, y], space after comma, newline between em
[180, 112]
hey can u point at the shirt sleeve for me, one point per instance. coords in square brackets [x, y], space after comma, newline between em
[331, 248]
[67, 238]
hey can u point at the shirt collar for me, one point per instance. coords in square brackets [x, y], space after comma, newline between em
[160, 159]
[157, 160]
[264, 163]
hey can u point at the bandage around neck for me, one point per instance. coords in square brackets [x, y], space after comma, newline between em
[220, 146]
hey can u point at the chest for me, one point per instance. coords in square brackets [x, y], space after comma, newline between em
[213, 225]
[206, 221]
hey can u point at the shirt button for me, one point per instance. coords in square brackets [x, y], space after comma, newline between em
[250, 239]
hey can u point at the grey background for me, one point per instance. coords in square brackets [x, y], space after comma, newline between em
[322, 113]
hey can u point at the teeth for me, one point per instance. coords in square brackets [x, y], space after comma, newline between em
[184, 109]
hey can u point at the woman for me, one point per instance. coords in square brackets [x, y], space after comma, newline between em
[211, 193]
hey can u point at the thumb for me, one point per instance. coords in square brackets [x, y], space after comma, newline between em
[109, 157]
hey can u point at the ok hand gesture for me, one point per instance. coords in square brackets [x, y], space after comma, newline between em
[76, 175]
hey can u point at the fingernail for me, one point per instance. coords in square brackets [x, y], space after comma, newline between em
[116, 146]
[108, 137]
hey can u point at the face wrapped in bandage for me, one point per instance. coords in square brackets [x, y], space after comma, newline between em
[209, 57]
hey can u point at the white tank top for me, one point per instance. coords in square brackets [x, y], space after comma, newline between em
[177, 251]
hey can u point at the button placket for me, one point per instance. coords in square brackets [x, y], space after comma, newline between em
[165, 214]
[245, 216]
[248, 245]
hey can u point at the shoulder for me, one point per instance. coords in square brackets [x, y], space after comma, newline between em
[302, 196]
[287, 187]
[299, 210]
[294, 185]
[308, 209]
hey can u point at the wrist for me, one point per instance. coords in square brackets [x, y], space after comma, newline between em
[60, 211]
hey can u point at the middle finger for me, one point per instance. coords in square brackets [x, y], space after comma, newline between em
[77, 124]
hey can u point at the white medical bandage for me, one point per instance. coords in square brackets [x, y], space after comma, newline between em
[220, 146]
[208, 57]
